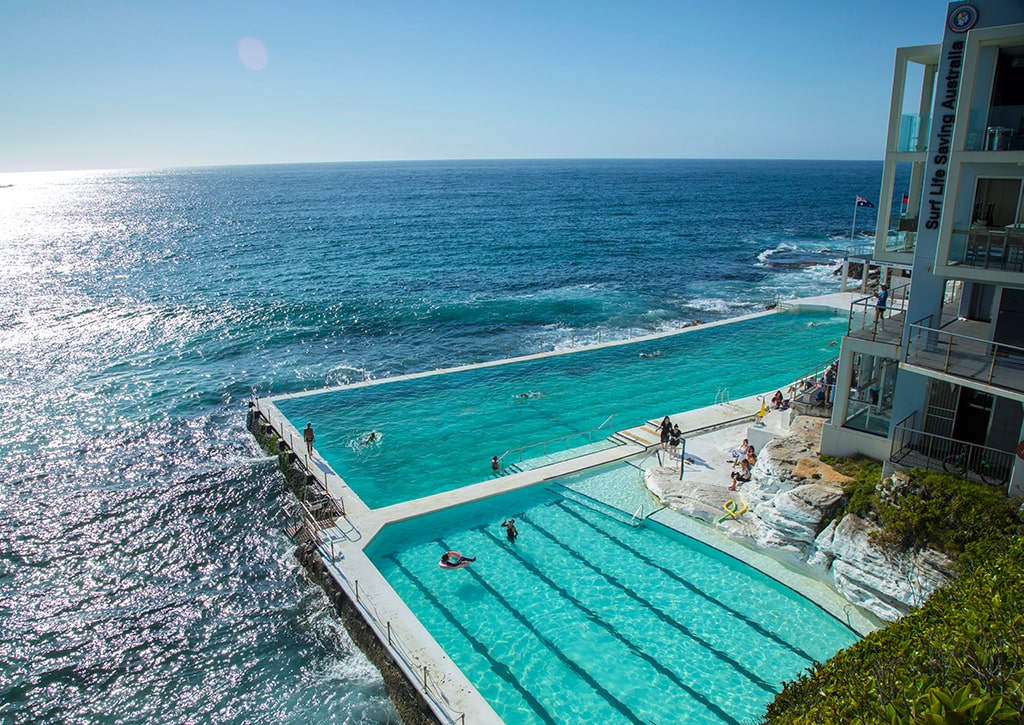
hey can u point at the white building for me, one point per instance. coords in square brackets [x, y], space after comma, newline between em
[938, 382]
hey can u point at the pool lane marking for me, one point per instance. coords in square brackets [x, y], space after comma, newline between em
[499, 668]
[656, 611]
[752, 623]
[615, 704]
[596, 619]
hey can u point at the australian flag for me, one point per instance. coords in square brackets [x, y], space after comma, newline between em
[861, 201]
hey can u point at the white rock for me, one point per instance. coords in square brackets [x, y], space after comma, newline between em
[886, 583]
[791, 520]
[821, 555]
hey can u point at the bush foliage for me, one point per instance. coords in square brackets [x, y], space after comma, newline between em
[957, 659]
[960, 657]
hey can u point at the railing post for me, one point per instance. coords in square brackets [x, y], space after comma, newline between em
[357, 591]
[389, 633]
[949, 351]
[992, 368]
[424, 678]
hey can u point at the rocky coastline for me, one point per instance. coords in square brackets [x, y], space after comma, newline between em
[791, 504]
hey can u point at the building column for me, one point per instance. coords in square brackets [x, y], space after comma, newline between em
[846, 274]
[841, 395]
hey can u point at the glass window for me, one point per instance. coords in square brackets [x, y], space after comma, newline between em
[872, 382]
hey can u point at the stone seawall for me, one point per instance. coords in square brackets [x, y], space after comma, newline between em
[405, 696]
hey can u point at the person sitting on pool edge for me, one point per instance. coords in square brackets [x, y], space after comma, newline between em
[511, 533]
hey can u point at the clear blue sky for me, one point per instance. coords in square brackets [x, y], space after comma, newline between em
[104, 84]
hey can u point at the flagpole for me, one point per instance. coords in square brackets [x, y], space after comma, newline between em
[853, 227]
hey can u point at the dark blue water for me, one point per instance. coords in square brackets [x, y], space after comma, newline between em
[143, 573]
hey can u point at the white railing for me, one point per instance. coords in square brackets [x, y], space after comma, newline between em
[505, 458]
[416, 673]
[638, 516]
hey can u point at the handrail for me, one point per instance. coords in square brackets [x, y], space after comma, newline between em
[588, 433]
[388, 637]
[970, 348]
[897, 305]
[938, 451]
[638, 514]
[1001, 249]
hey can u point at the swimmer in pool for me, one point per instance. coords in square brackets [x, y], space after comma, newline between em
[370, 438]
[511, 533]
[453, 558]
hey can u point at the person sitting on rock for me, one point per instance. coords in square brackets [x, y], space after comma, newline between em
[740, 476]
[740, 453]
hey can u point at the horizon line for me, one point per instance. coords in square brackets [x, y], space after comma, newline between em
[250, 164]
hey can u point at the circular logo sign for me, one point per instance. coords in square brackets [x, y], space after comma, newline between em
[962, 18]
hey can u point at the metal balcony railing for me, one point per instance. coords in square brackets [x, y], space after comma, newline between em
[990, 363]
[864, 313]
[918, 449]
[900, 241]
[997, 249]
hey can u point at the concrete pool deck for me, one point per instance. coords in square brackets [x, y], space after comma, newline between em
[450, 695]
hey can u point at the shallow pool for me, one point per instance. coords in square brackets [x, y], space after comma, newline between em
[587, 618]
[438, 433]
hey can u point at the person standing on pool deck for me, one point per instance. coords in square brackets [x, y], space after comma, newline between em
[307, 435]
[666, 432]
[511, 533]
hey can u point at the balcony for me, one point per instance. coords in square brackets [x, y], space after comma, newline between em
[964, 358]
[913, 134]
[900, 241]
[1001, 250]
[918, 449]
[866, 324]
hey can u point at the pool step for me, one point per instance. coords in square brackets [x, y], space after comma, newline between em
[591, 503]
[645, 436]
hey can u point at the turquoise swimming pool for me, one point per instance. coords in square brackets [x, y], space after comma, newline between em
[587, 618]
[439, 432]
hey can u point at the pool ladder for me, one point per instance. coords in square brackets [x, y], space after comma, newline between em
[722, 396]
[638, 516]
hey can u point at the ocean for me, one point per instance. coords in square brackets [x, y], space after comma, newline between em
[144, 573]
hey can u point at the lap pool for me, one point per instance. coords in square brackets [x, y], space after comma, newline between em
[438, 433]
[588, 618]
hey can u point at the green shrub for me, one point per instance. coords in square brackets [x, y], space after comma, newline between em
[944, 512]
[860, 492]
[957, 659]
